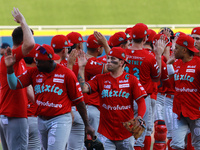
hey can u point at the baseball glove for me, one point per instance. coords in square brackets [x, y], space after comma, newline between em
[136, 126]
[94, 144]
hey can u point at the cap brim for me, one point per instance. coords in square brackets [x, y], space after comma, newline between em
[194, 50]
[56, 57]
[70, 44]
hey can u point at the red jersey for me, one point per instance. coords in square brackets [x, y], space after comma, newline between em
[92, 68]
[116, 102]
[143, 65]
[13, 102]
[103, 59]
[75, 66]
[187, 87]
[54, 91]
[31, 107]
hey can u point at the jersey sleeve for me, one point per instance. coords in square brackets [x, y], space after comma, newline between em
[73, 88]
[155, 70]
[137, 89]
[93, 84]
[18, 53]
[93, 68]
[24, 79]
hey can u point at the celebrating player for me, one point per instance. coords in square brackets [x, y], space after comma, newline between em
[117, 90]
[52, 85]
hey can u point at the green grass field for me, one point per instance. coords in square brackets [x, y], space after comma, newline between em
[102, 12]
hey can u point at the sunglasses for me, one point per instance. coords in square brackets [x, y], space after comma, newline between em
[196, 38]
[44, 51]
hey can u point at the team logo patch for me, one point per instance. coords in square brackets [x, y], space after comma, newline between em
[39, 80]
[54, 45]
[66, 43]
[107, 86]
[197, 131]
[80, 39]
[190, 70]
[111, 52]
[124, 85]
[120, 39]
[58, 80]
[123, 55]
[127, 36]
[185, 43]
[194, 31]
[107, 81]
[145, 32]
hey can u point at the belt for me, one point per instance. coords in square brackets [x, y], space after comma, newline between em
[169, 95]
[47, 117]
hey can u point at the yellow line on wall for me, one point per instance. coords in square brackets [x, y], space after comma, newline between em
[83, 33]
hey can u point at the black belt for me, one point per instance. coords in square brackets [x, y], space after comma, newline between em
[47, 117]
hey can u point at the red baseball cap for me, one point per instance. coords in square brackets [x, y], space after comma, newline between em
[187, 41]
[92, 42]
[75, 37]
[139, 31]
[117, 39]
[128, 32]
[179, 33]
[60, 42]
[196, 30]
[118, 52]
[46, 52]
[151, 33]
[157, 37]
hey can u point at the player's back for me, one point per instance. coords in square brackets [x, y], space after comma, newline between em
[143, 65]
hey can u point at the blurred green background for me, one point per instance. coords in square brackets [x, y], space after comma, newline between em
[102, 12]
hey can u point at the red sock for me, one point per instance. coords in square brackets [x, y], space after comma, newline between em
[137, 148]
[168, 145]
[147, 143]
[189, 142]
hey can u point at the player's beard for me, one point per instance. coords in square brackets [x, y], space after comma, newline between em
[44, 69]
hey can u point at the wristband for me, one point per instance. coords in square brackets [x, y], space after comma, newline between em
[170, 69]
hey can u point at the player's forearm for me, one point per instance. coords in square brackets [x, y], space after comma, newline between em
[30, 94]
[28, 40]
[106, 48]
[82, 111]
[159, 62]
[141, 107]
[81, 79]
[12, 80]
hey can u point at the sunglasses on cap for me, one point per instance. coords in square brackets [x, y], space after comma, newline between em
[196, 38]
[44, 51]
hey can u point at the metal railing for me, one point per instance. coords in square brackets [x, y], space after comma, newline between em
[85, 27]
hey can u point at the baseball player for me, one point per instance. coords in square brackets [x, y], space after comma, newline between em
[95, 44]
[52, 85]
[186, 99]
[145, 67]
[196, 36]
[3, 48]
[33, 133]
[119, 39]
[117, 90]
[13, 110]
[60, 44]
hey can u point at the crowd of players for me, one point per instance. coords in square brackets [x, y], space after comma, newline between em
[56, 96]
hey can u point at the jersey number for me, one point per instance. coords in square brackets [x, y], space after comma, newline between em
[136, 72]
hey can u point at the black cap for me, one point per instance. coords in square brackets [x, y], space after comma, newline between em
[5, 45]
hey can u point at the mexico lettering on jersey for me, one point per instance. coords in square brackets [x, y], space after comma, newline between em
[143, 65]
[116, 102]
[53, 91]
[13, 102]
[187, 87]
[92, 68]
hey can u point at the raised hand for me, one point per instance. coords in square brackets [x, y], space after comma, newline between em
[18, 17]
[9, 58]
[160, 46]
[82, 60]
[100, 38]
[72, 59]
